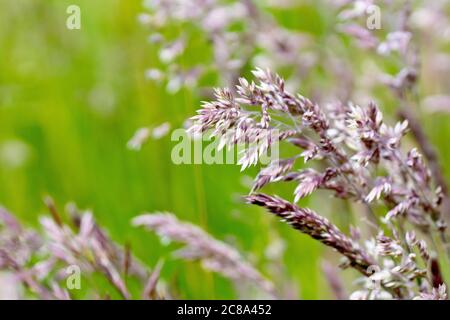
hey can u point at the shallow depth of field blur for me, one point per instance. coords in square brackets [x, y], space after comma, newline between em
[71, 99]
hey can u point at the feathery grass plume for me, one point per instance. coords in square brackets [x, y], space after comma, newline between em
[402, 24]
[83, 249]
[40, 260]
[353, 142]
[215, 255]
[317, 227]
[17, 249]
[363, 161]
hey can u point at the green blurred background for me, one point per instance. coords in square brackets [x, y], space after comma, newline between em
[69, 102]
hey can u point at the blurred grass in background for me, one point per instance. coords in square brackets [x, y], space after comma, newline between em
[69, 102]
